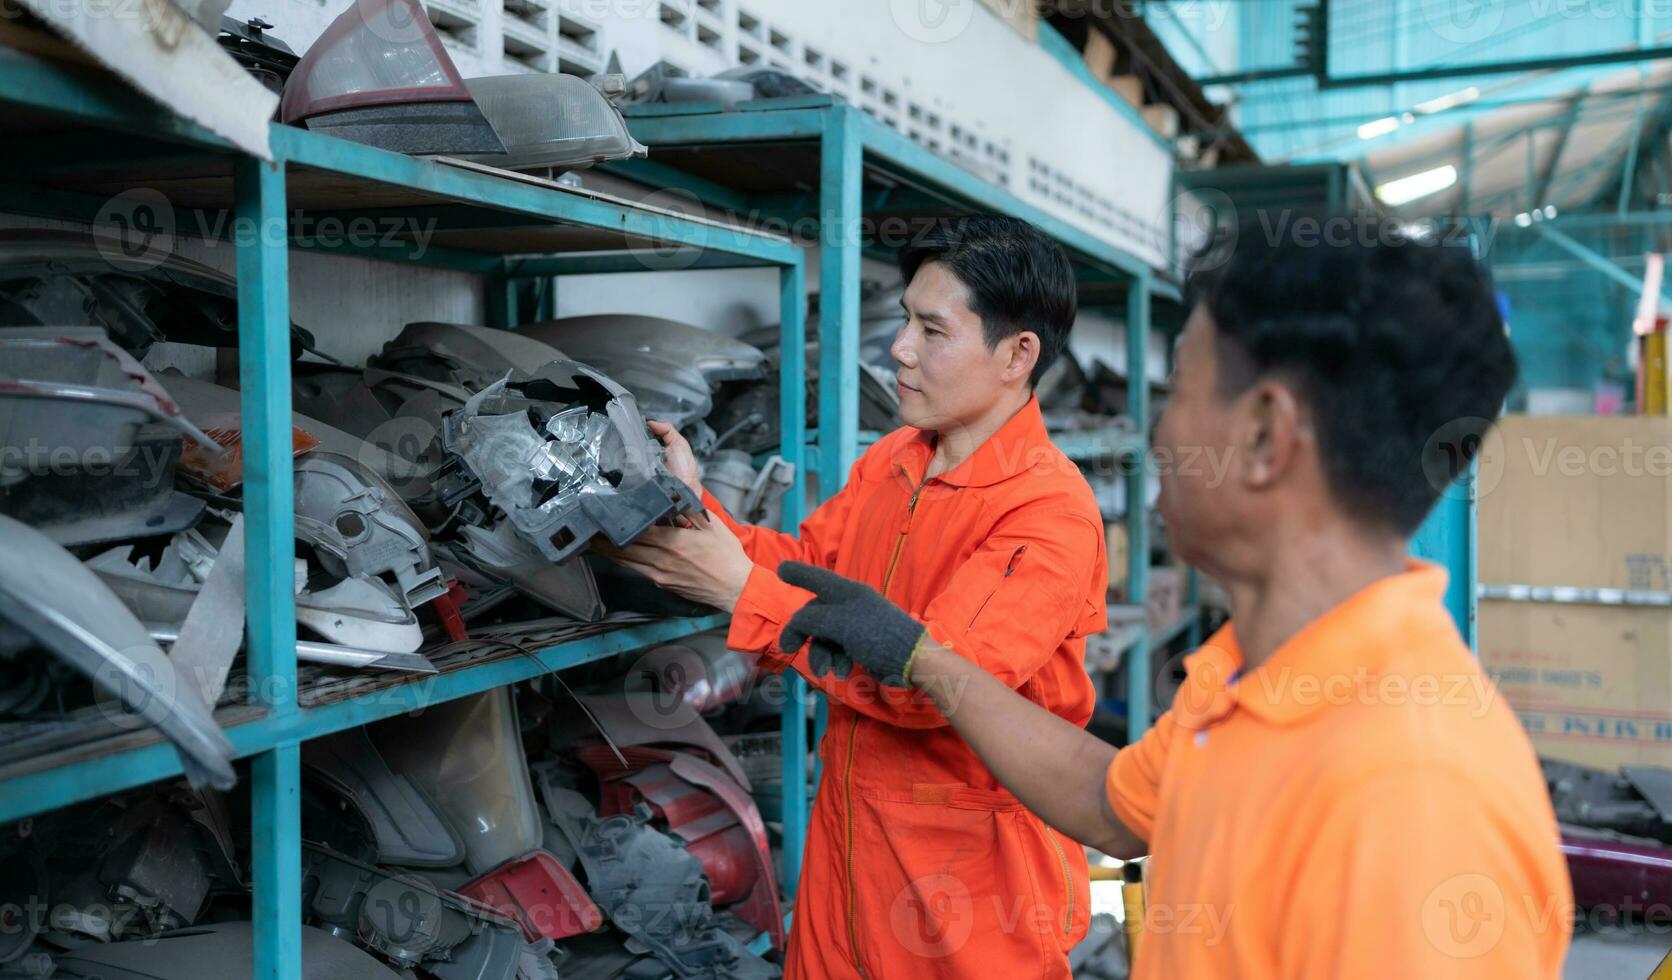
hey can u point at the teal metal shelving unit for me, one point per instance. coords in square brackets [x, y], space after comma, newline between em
[817, 164]
[74, 140]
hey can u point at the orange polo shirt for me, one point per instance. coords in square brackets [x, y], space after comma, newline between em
[1362, 805]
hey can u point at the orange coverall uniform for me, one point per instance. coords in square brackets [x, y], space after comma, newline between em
[918, 864]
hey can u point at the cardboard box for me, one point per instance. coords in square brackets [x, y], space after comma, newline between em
[1586, 502]
[1130, 88]
[1114, 542]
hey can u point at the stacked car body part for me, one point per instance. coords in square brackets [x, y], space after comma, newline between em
[446, 496]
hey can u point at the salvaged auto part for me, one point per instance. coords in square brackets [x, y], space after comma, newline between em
[539, 893]
[766, 82]
[406, 918]
[379, 75]
[222, 949]
[500, 554]
[53, 277]
[749, 495]
[1613, 801]
[209, 637]
[663, 82]
[174, 61]
[359, 528]
[670, 367]
[363, 614]
[94, 439]
[223, 470]
[631, 867]
[578, 464]
[406, 823]
[23, 885]
[714, 817]
[698, 670]
[552, 122]
[210, 402]
[746, 416]
[462, 354]
[68, 610]
[266, 57]
[467, 755]
[643, 719]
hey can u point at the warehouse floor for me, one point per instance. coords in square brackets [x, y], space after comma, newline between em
[1616, 953]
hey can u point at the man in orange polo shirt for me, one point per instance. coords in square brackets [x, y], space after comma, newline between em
[1337, 790]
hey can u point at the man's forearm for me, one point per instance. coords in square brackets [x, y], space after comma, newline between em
[1055, 768]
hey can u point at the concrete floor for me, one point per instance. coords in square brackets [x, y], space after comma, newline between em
[1616, 953]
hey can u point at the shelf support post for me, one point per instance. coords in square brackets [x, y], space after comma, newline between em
[269, 518]
[1137, 524]
[792, 445]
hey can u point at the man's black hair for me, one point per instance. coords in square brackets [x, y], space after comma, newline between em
[1018, 278]
[1394, 343]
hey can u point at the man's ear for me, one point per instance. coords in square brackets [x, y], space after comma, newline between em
[1021, 352]
[1270, 430]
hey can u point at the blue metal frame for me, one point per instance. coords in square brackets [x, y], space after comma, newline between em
[271, 732]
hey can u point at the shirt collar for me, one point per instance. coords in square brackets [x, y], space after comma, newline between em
[1020, 444]
[1323, 664]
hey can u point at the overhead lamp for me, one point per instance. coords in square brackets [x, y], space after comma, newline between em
[1449, 101]
[1523, 219]
[1417, 185]
[1380, 127]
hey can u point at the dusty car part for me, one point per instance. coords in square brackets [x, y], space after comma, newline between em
[207, 400]
[363, 615]
[714, 817]
[467, 755]
[551, 122]
[539, 893]
[64, 606]
[747, 415]
[52, 277]
[499, 553]
[1613, 801]
[23, 892]
[406, 824]
[643, 719]
[767, 83]
[223, 470]
[578, 464]
[749, 495]
[631, 867]
[407, 919]
[222, 949]
[463, 354]
[92, 436]
[700, 671]
[174, 61]
[213, 630]
[82, 365]
[670, 367]
[379, 75]
[156, 865]
[266, 57]
[359, 528]
[663, 82]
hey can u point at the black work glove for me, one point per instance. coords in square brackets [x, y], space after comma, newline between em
[849, 622]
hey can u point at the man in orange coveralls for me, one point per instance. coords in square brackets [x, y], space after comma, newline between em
[1337, 790]
[972, 522]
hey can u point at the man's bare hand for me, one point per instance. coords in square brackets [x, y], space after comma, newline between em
[703, 562]
[677, 455]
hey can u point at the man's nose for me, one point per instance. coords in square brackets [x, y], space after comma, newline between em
[902, 352]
